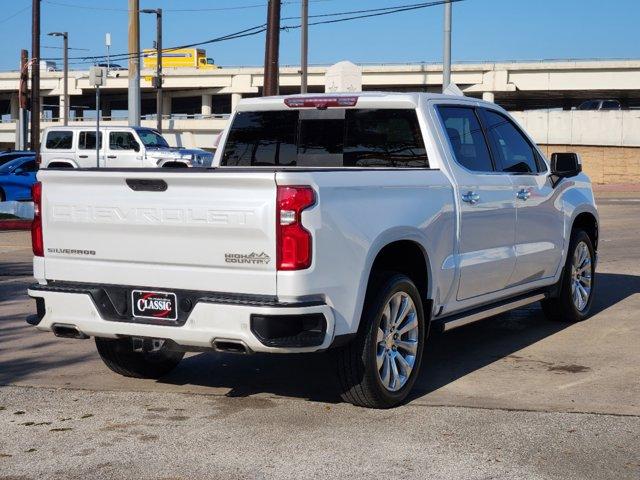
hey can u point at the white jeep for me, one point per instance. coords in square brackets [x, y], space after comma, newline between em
[127, 147]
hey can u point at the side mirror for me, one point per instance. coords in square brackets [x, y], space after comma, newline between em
[136, 146]
[564, 165]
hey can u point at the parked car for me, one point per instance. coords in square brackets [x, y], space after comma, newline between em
[600, 105]
[127, 147]
[16, 179]
[9, 155]
[352, 223]
[111, 66]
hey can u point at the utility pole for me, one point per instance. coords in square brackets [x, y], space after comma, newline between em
[23, 122]
[65, 112]
[271, 51]
[446, 55]
[158, 78]
[134, 63]
[35, 76]
[304, 45]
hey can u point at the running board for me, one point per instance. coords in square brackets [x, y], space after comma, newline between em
[471, 316]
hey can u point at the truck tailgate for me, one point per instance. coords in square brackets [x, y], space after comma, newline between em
[211, 231]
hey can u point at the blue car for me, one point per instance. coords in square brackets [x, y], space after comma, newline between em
[8, 155]
[16, 178]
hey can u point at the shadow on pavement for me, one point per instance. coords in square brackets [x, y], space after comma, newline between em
[448, 357]
[16, 269]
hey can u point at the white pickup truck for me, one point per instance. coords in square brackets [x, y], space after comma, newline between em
[350, 223]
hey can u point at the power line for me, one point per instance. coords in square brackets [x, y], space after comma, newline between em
[376, 12]
[372, 10]
[177, 10]
[62, 48]
[15, 14]
[256, 30]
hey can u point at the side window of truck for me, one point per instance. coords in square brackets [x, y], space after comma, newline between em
[511, 148]
[59, 140]
[467, 140]
[87, 140]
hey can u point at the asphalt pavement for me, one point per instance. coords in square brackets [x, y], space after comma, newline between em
[515, 396]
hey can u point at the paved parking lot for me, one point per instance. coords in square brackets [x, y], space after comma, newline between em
[514, 396]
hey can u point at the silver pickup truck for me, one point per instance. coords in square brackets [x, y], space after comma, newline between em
[345, 223]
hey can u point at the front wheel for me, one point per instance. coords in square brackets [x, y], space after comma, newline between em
[575, 298]
[379, 368]
[153, 362]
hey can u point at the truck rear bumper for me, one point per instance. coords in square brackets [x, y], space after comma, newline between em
[261, 327]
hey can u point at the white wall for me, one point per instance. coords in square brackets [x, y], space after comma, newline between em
[619, 128]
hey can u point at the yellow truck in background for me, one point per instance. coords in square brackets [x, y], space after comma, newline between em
[178, 58]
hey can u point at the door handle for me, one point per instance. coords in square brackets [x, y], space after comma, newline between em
[112, 156]
[471, 197]
[524, 194]
[83, 156]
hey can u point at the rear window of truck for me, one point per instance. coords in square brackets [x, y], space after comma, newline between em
[326, 138]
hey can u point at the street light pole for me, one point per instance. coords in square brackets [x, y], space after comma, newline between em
[158, 79]
[65, 94]
[446, 55]
[35, 76]
[304, 46]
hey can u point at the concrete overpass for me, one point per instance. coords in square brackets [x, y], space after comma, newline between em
[515, 85]
[197, 103]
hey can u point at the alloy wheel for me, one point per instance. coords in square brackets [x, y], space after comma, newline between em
[397, 341]
[581, 276]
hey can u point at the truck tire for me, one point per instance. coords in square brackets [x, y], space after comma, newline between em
[576, 283]
[379, 367]
[119, 356]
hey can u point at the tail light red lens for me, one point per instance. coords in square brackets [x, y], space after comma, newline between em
[321, 102]
[293, 244]
[37, 242]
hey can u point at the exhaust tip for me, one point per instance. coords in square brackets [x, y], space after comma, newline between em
[68, 331]
[230, 346]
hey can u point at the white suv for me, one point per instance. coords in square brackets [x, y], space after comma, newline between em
[127, 147]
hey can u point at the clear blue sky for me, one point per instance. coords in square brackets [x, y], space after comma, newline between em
[483, 30]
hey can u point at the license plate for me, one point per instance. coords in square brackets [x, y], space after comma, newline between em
[154, 305]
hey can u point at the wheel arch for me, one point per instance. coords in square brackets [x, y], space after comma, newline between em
[588, 222]
[402, 252]
[62, 163]
[173, 164]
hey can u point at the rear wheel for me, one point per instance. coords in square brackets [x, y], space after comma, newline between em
[379, 368]
[575, 298]
[149, 359]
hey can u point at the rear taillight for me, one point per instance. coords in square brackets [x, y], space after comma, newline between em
[293, 249]
[36, 227]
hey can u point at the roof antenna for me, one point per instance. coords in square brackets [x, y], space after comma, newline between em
[453, 89]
